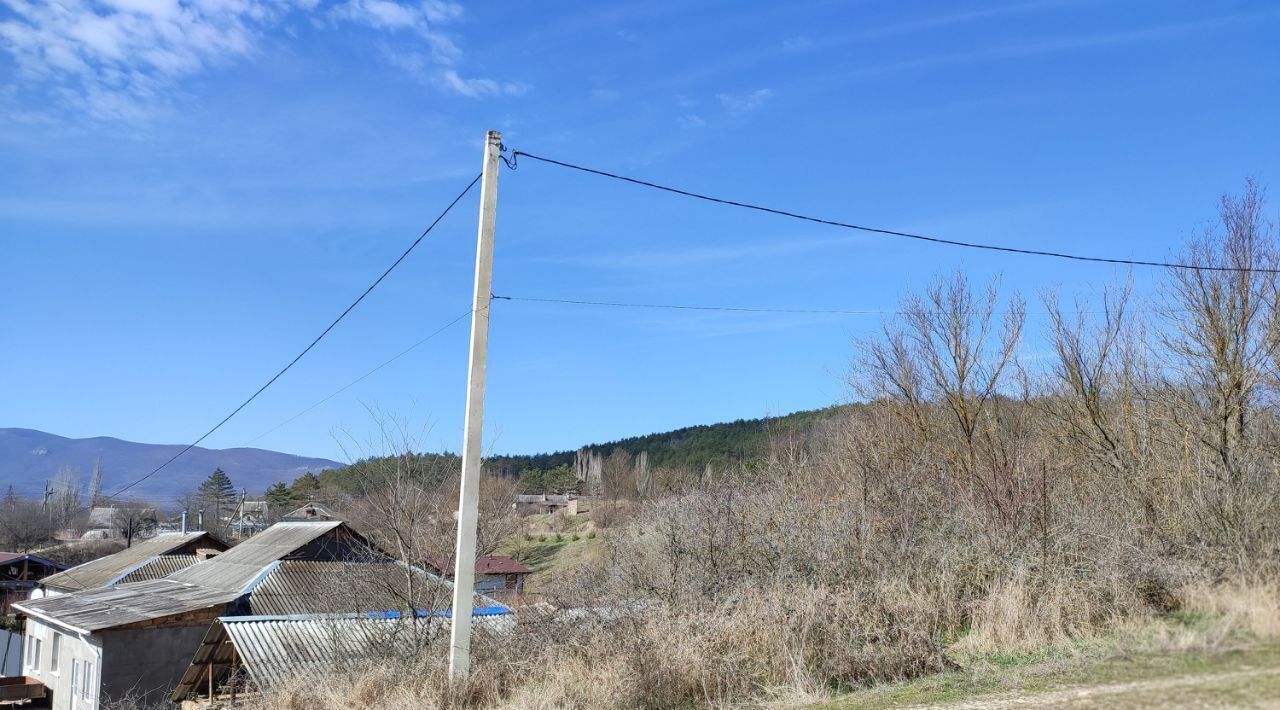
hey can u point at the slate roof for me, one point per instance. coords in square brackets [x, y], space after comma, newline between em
[287, 568]
[236, 568]
[108, 570]
[158, 567]
[314, 587]
[310, 511]
[97, 609]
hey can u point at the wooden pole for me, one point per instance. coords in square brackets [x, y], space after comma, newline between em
[464, 558]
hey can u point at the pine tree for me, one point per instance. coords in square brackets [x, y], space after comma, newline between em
[218, 491]
[279, 497]
[305, 487]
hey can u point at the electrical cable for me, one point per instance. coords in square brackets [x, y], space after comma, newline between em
[889, 232]
[313, 343]
[361, 378]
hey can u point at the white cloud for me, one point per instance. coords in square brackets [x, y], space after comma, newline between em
[117, 59]
[744, 103]
[479, 88]
[797, 44]
[692, 120]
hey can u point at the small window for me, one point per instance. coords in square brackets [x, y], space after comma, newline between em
[86, 683]
[54, 648]
[75, 677]
[31, 651]
[35, 654]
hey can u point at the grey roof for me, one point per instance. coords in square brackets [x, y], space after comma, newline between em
[319, 587]
[158, 567]
[236, 568]
[273, 649]
[235, 573]
[105, 516]
[107, 570]
[125, 604]
[310, 511]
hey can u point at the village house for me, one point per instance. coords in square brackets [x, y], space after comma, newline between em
[20, 573]
[249, 518]
[550, 503]
[138, 638]
[153, 558]
[496, 576]
[105, 523]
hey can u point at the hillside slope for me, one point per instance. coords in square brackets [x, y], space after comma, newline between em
[690, 447]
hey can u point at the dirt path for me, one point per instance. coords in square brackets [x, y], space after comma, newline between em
[1242, 688]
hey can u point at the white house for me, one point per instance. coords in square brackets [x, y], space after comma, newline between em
[68, 663]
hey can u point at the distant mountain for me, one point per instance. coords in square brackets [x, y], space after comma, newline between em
[28, 458]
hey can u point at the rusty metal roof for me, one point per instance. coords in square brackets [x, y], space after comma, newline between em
[108, 570]
[97, 609]
[237, 568]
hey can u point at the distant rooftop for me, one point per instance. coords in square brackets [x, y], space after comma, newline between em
[112, 569]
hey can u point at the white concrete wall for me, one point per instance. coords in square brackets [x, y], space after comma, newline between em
[76, 652]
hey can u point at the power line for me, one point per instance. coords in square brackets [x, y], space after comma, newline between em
[313, 343]
[361, 378]
[888, 232]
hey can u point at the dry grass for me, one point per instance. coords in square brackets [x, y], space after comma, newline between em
[1248, 605]
[971, 504]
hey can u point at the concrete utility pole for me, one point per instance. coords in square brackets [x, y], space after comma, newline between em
[464, 557]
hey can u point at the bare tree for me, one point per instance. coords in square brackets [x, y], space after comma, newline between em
[95, 483]
[24, 524]
[63, 495]
[1222, 336]
[133, 518]
[944, 371]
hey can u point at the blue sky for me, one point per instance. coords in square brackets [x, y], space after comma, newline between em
[191, 190]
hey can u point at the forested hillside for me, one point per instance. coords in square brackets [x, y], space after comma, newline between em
[691, 447]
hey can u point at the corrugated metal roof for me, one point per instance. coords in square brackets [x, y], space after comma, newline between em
[273, 649]
[159, 566]
[236, 568]
[97, 609]
[104, 570]
[315, 587]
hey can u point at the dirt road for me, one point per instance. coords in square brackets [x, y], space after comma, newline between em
[1248, 688]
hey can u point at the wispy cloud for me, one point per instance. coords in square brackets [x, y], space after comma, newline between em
[120, 59]
[1057, 44]
[698, 257]
[738, 104]
[691, 120]
[478, 88]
